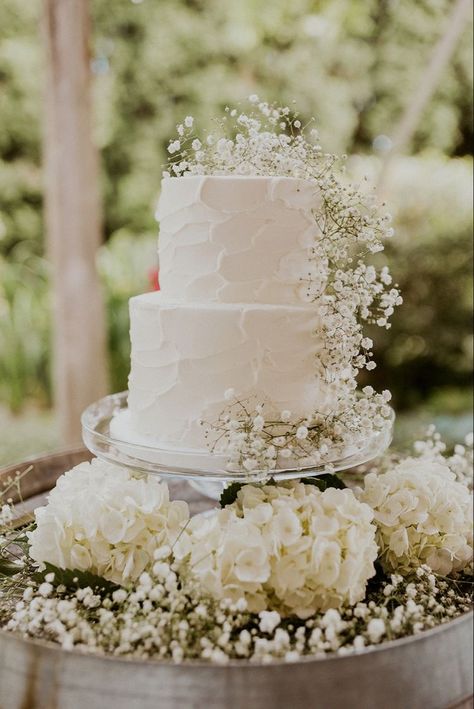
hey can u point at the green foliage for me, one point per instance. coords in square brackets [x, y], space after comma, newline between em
[75, 579]
[25, 317]
[428, 350]
[424, 357]
[124, 265]
[20, 127]
[9, 568]
[353, 65]
[229, 494]
[24, 329]
[323, 482]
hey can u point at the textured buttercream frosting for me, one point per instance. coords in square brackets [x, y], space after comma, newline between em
[185, 356]
[235, 259]
[238, 239]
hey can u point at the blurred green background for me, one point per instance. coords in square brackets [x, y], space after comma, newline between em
[352, 65]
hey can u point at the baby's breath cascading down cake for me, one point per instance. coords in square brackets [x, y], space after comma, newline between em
[254, 342]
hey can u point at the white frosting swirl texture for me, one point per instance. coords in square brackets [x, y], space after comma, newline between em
[185, 356]
[238, 239]
[235, 260]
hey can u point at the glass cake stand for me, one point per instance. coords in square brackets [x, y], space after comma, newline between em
[205, 470]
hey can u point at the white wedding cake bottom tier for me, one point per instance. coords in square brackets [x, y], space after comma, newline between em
[186, 356]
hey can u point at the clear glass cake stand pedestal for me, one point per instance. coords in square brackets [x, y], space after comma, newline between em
[204, 470]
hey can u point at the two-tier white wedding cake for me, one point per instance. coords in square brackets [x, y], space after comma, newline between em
[234, 309]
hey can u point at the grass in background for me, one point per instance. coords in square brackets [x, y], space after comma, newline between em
[30, 433]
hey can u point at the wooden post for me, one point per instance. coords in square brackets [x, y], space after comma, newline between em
[73, 216]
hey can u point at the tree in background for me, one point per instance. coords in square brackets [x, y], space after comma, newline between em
[352, 65]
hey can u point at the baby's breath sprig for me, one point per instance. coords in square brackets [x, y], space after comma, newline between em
[15, 564]
[166, 616]
[459, 461]
[259, 444]
[266, 140]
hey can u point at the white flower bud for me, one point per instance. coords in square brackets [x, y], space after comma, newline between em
[376, 629]
[269, 620]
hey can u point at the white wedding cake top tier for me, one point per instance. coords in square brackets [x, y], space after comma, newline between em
[234, 239]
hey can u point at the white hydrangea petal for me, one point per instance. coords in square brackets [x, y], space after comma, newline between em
[101, 518]
[285, 548]
[423, 515]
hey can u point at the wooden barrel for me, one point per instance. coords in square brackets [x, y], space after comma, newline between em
[430, 671]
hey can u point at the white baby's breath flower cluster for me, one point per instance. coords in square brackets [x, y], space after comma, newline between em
[166, 616]
[6, 515]
[460, 462]
[270, 140]
[352, 296]
[423, 516]
[288, 548]
[279, 573]
[14, 561]
[10, 490]
[99, 518]
[258, 442]
[264, 140]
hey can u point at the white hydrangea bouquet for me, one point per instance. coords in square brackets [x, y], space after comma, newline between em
[309, 567]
